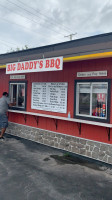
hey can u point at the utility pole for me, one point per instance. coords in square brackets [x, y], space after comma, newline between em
[70, 35]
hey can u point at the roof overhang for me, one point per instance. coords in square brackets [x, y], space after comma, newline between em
[81, 57]
[88, 57]
[2, 66]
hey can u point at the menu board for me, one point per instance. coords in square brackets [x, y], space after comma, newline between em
[50, 96]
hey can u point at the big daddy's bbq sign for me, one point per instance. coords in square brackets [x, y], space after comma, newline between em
[49, 64]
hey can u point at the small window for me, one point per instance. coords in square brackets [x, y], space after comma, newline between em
[92, 99]
[17, 92]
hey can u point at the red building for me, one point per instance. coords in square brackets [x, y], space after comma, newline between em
[63, 95]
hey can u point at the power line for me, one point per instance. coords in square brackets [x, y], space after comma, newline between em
[32, 14]
[22, 25]
[25, 29]
[18, 14]
[47, 18]
[7, 42]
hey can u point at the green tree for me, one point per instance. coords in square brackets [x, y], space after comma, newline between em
[18, 49]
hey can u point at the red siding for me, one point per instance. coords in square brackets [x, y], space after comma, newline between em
[69, 74]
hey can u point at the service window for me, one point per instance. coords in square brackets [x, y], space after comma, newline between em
[17, 92]
[92, 99]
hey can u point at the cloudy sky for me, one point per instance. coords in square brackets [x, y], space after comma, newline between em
[42, 22]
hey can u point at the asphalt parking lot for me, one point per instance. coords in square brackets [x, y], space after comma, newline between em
[31, 171]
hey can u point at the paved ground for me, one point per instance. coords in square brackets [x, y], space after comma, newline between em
[30, 171]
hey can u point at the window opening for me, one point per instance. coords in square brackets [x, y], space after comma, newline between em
[17, 94]
[91, 99]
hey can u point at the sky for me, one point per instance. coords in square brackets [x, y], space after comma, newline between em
[35, 23]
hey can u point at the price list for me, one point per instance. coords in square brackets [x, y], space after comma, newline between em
[51, 96]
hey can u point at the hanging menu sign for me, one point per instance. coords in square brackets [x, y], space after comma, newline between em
[50, 96]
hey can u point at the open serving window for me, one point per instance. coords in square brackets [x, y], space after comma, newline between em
[17, 93]
[92, 99]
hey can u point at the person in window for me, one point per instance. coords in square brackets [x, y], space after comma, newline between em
[4, 103]
[20, 99]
